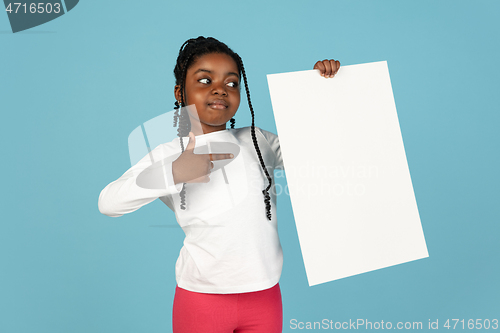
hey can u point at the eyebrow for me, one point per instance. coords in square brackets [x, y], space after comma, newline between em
[208, 71]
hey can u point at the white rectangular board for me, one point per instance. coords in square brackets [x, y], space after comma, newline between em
[346, 168]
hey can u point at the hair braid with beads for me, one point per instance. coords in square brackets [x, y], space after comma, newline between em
[189, 52]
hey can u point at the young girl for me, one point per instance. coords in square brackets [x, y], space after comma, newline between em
[228, 269]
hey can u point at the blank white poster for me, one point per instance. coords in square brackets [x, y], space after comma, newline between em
[348, 177]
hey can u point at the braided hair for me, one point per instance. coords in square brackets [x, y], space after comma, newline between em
[189, 52]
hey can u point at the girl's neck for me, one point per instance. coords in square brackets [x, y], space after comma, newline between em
[199, 128]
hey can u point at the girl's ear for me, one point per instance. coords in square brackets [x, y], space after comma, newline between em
[177, 92]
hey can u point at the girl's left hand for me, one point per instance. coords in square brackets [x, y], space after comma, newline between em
[327, 68]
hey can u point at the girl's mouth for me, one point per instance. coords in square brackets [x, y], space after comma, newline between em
[218, 104]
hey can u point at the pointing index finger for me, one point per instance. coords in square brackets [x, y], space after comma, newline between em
[216, 157]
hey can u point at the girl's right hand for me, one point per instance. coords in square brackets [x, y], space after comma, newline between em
[194, 168]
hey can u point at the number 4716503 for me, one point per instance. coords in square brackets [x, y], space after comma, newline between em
[471, 324]
[39, 8]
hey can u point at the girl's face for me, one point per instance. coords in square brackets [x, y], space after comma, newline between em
[212, 85]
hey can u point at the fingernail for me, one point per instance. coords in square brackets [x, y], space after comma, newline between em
[231, 155]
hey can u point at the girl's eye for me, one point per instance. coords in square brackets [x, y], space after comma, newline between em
[233, 84]
[204, 81]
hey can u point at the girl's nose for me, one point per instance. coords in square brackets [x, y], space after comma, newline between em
[219, 89]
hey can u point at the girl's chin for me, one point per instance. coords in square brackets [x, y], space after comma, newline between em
[218, 121]
[215, 123]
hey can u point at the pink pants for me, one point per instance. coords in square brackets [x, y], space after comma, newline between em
[256, 312]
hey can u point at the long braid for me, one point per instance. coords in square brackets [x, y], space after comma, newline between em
[188, 53]
[181, 120]
[184, 124]
[267, 198]
[176, 114]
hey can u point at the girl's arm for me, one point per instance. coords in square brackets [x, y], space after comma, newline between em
[274, 143]
[124, 195]
[157, 175]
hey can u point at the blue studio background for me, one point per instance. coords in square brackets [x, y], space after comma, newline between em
[72, 90]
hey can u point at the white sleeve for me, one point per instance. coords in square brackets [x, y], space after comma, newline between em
[124, 195]
[274, 142]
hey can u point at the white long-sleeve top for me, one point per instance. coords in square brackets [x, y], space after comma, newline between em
[230, 245]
